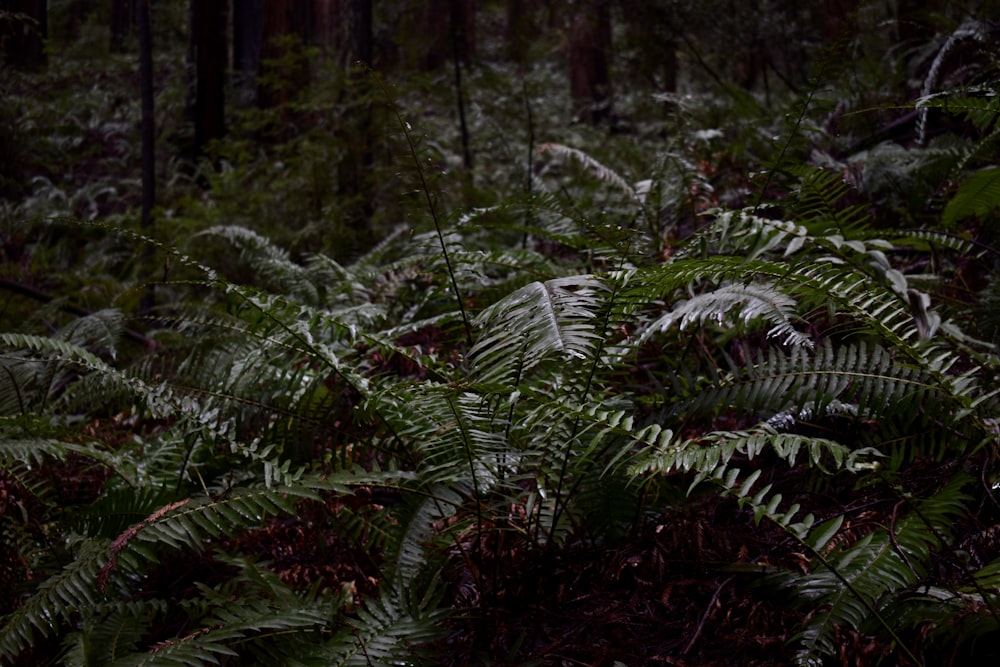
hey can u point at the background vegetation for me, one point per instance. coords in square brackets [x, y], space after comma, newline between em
[606, 333]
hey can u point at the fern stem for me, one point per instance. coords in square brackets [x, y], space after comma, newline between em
[477, 495]
[425, 188]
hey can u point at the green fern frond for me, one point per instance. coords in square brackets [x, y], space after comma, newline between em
[817, 202]
[554, 319]
[706, 453]
[387, 631]
[228, 631]
[602, 172]
[55, 600]
[852, 582]
[755, 302]
[978, 195]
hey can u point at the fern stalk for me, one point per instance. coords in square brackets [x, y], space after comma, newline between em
[425, 188]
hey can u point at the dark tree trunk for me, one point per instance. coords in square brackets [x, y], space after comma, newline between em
[520, 29]
[363, 32]
[208, 34]
[248, 38]
[148, 136]
[589, 51]
[122, 23]
[24, 28]
[328, 26]
[441, 21]
[283, 69]
[354, 171]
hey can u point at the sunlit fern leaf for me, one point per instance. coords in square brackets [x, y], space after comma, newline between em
[407, 557]
[778, 381]
[272, 264]
[551, 320]
[818, 202]
[599, 170]
[748, 303]
[34, 451]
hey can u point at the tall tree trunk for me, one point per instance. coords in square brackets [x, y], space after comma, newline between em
[363, 32]
[208, 34]
[248, 38]
[520, 29]
[283, 69]
[24, 29]
[589, 50]
[328, 26]
[148, 134]
[354, 171]
[440, 21]
[459, 44]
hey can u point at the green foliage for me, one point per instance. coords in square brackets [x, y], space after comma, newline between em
[530, 353]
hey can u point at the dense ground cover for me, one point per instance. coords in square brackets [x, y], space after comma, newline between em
[710, 382]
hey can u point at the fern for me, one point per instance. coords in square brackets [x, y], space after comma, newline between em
[977, 196]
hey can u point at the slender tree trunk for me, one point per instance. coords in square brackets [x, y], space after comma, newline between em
[24, 29]
[520, 29]
[363, 32]
[148, 139]
[328, 26]
[208, 34]
[459, 44]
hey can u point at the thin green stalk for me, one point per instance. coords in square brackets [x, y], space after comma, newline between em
[437, 224]
[467, 444]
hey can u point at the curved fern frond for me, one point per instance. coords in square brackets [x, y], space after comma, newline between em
[554, 319]
[756, 301]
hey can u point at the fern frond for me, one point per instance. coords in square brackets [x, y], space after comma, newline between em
[554, 319]
[55, 600]
[602, 172]
[391, 629]
[754, 301]
[854, 581]
[978, 195]
[706, 453]
[226, 629]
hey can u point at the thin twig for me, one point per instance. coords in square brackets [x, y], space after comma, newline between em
[705, 615]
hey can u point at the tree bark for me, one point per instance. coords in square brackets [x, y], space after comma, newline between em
[24, 29]
[148, 133]
[354, 171]
[248, 37]
[283, 71]
[208, 31]
[589, 50]
[440, 21]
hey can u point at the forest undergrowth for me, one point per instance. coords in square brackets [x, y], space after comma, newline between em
[711, 383]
